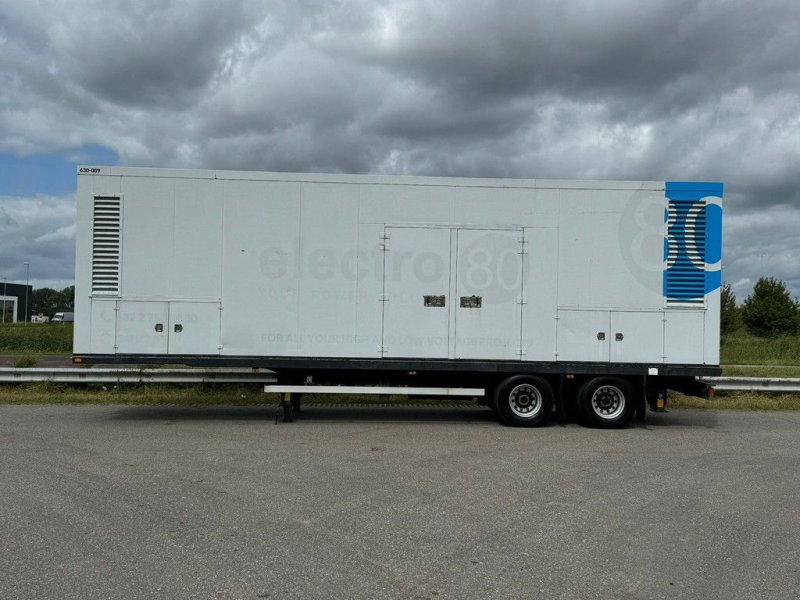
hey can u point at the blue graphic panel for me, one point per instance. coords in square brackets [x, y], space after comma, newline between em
[693, 246]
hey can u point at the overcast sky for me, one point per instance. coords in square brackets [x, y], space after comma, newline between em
[661, 90]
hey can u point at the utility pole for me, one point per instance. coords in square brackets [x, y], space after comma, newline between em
[5, 289]
[27, 284]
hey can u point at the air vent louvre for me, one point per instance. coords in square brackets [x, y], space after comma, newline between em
[106, 236]
[686, 253]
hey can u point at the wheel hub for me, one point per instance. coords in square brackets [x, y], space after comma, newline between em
[525, 401]
[608, 402]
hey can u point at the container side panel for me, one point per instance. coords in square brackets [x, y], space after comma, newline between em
[611, 249]
[147, 237]
[488, 291]
[417, 307]
[712, 328]
[583, 335]
[82, 332]
[328, 277]
[103, 326]
[367, 268]
[194, 328]
[539, 288]
[142, 327]
[505, 207]
[637, 336]
[683, 336]
[262, 266]
[407, 204]
[197, 233]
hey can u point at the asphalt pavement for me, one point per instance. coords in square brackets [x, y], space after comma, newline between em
[143, 502]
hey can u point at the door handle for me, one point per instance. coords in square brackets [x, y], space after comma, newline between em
[433, 301]
[471, 301]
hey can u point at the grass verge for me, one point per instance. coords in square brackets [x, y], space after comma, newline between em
[761, 371]
[35, 338]
[741, 348]
[738, 401]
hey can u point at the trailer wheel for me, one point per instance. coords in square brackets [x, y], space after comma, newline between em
[606, 402]
[524, 401]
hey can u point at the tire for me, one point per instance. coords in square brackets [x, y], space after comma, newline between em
[524, 401]
[606, 402]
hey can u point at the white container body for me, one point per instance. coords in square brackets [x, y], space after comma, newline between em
[246, 264]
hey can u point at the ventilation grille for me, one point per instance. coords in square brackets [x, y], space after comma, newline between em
[684, 281]
[106, 245]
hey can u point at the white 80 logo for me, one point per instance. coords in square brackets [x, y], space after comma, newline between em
[491, 262]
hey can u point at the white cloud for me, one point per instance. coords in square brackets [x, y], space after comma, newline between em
[39, 231]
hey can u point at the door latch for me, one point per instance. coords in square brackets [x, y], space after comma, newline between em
[159, 327]
[471, 301]
[433, 300]
[178, 328]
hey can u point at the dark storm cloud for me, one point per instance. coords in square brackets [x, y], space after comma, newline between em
[619, 89]
[152, 52]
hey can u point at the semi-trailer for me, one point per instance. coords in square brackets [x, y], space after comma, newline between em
[551, 296]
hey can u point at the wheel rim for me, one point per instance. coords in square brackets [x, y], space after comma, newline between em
[608, 402]
[525, 401]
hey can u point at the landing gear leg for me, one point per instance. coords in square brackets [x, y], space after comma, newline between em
[286, 407]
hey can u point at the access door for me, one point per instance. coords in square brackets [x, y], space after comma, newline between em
[160, 327]
[416, 292]
[488, 299]
[142, 327]
[194, 328]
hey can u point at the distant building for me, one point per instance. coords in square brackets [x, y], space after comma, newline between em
[13, 301]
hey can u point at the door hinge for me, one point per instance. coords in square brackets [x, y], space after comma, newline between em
[522, 300]
[382, 350]
[383, 298]
[523, 246]
[384, 237]
[522, 352]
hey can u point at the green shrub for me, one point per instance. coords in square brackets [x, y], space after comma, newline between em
[770, 310]
[25, 362]
[730, 315]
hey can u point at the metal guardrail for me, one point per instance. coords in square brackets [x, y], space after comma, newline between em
[753, 384]
[84, 375]
[230, 375]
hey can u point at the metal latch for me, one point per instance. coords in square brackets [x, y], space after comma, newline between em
[601, 335]
[178, 328]
[471, 301]
[433, 300]
[159, 327]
